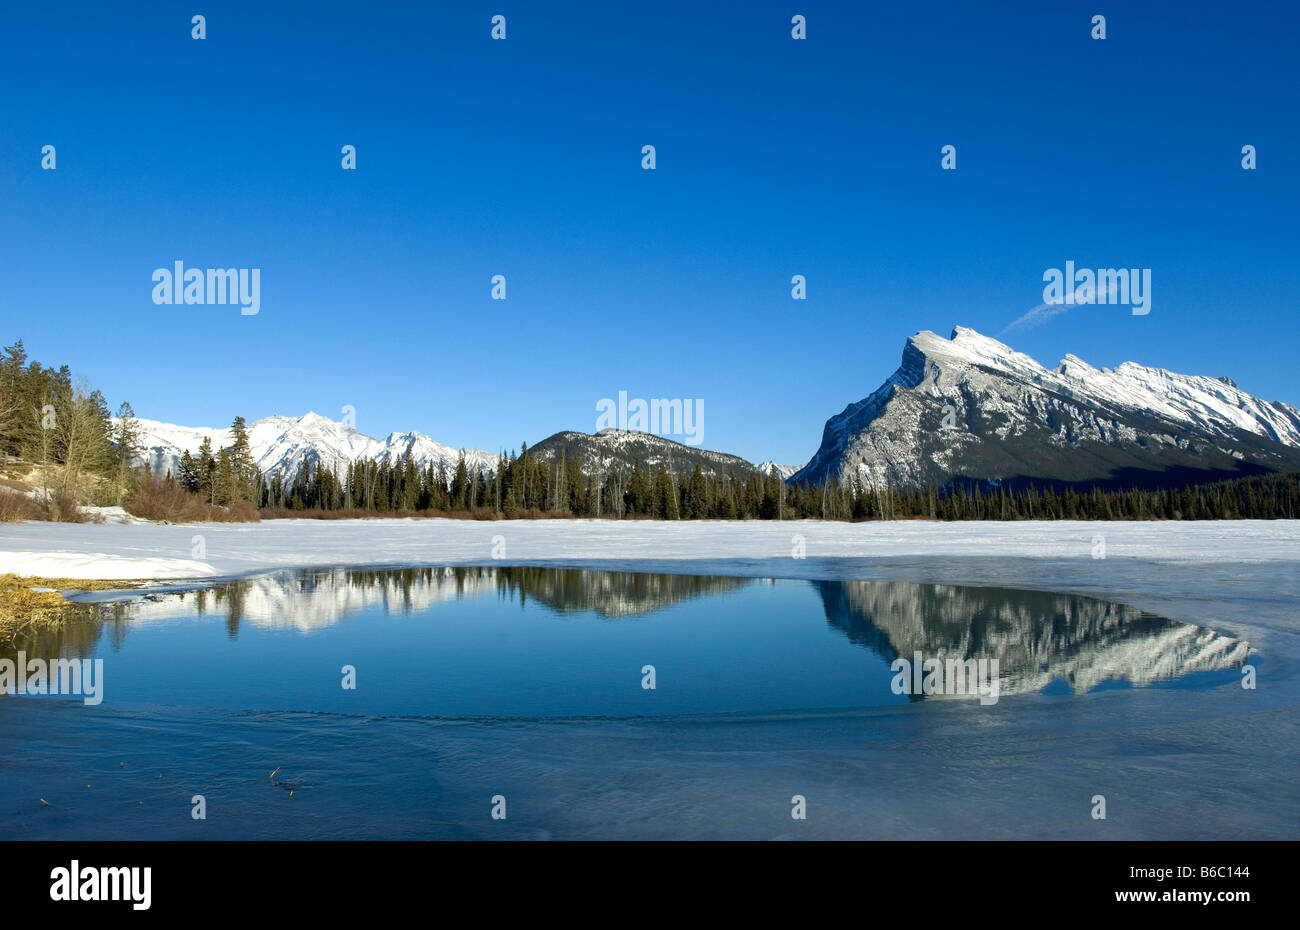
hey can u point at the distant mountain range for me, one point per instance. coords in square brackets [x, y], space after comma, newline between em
[967, 409]
[282, 445]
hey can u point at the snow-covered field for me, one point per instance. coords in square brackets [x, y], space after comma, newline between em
[220, 550]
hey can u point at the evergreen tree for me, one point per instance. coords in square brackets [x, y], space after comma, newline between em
[188, 472]
[244, 481]
[206, 468]
[460, 486]
[126, 447]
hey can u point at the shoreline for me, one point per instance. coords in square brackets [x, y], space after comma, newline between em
[29, 603]
[1241, 577]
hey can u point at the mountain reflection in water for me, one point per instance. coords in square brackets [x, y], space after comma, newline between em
[1037, 637]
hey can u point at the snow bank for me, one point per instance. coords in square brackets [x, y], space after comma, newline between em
[99, 566]
[127, 550]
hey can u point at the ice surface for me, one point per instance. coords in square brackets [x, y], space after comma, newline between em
[139, 550]
[1214, 763]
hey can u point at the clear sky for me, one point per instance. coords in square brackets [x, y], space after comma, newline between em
[522, 157]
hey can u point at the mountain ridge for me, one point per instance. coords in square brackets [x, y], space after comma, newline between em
[282, 445]
[969, 408]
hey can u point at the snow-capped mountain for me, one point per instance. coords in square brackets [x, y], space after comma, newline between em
[963, 409]
[281, 445]
[969, 407]
[784, 472]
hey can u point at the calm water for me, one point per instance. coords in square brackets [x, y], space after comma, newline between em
[531, 683]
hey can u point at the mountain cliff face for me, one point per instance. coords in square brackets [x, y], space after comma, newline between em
[282, 445]
[969, 409]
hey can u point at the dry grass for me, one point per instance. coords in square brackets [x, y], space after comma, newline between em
[16, 507]
[65, 509]
[355, 513]
[61, 507]
[164, 500]
[23, 609]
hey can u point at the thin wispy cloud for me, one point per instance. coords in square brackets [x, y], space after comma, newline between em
[1044, 312]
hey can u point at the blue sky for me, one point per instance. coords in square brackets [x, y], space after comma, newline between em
[523, 157]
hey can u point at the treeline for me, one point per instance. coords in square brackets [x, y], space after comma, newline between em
[526, 484]
[1262, 497]
[62, 430]
[532, 485]
[228, 477]
[223, 486]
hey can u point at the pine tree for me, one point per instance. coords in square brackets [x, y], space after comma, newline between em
[206, 468]
[460, 486]
[188, 472]
[126, 446]
[244, 482]
[226, 483]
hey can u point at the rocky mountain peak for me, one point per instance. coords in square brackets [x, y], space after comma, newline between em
[971, 409]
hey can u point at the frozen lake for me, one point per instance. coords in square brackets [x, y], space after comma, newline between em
[530, 683]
